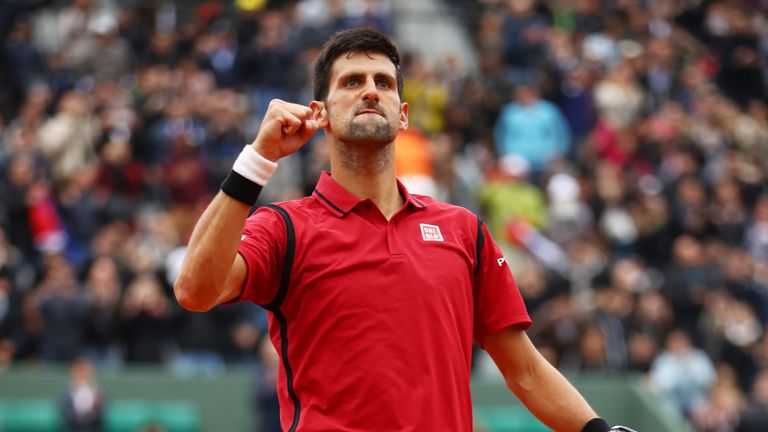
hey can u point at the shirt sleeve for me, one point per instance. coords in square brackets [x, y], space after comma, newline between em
[262, 246]
[498, 302]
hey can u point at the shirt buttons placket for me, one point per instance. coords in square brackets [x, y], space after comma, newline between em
[392, 238]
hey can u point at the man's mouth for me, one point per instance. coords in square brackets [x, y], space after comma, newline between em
[368, 111]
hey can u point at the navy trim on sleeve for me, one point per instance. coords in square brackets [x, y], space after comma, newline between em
[290, 250]
[479, 245]
[274, 307]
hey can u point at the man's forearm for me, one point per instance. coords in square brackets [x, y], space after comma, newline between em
[211, 253]
[538, 385]
[552, 399]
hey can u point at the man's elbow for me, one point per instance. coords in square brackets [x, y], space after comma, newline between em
[187, 295]
[522, 382]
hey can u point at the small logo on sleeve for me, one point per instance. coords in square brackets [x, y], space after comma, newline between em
[431, 232]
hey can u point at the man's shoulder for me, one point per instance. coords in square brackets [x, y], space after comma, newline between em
[291, 206]
[446, 209]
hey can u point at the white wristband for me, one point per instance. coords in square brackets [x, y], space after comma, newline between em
[253, 166]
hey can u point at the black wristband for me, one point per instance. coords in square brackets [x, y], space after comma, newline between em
[596, 425]
[240, 188]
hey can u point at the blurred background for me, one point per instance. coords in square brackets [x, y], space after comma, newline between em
[617, 149]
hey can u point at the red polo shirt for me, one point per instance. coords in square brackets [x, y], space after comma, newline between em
[375, 330]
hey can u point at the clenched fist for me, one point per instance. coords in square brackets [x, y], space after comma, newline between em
[285, 128]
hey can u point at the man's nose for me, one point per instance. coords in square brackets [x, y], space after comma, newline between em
[371, 92]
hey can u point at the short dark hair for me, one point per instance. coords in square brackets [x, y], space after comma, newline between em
[365, 40]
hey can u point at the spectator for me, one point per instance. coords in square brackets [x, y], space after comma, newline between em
[121, 182]
[23, 60]
[219, 53]
[82, 405]
[689, 211]
[185, 171]
[682, 374]
[591, 352]
[688, 277]
[574, 98]
[19, 178]
[642, 348]
[103, 289]
[414, 161]
[175, 128]
[108, 56]
[68, 139]
[731, 330]
[533, 129]
[146, 316]
[508, 197]
[739, 278]
[755, 417]
[740, 77]
[224, 138]
[728, 212]
[653, 317]
[201, 341]
[455, 176]
[524, 31]
[10, 322]
[267, 61]
[757, 232]
[62, 311]
[429, 96]
[725, 405]
[568, 216]
[619, 97]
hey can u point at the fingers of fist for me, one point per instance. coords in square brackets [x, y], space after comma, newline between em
[292, 118]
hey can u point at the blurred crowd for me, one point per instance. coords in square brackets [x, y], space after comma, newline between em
[617, 149]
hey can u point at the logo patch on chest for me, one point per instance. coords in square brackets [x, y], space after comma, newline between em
[430, 232]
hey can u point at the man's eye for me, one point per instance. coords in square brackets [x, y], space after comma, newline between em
[352, 82]
[383, 83]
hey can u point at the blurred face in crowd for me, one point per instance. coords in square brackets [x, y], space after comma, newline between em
[81, 372]
[526, 94]
[363, 105]
[687, 251]
[21, 171]
[760, 388]
[82, 4]
[520, 7]
[592, 345]
[678, 343]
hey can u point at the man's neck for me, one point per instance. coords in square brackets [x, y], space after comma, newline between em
[368, 174]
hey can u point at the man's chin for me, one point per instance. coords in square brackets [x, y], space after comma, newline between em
[373, 139]
[369, 133]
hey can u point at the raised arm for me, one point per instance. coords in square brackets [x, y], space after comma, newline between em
[213, 272]
[538, 385]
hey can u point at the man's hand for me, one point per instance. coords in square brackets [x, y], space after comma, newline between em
[285, 128]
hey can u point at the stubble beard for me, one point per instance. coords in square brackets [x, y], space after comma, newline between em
[374, 135]
[366, 145]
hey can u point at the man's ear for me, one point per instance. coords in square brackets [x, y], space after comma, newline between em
[319, 113]
[404, 116]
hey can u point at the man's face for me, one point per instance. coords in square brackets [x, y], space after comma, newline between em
[363, 105]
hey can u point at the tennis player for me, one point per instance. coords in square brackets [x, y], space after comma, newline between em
[375, 294]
